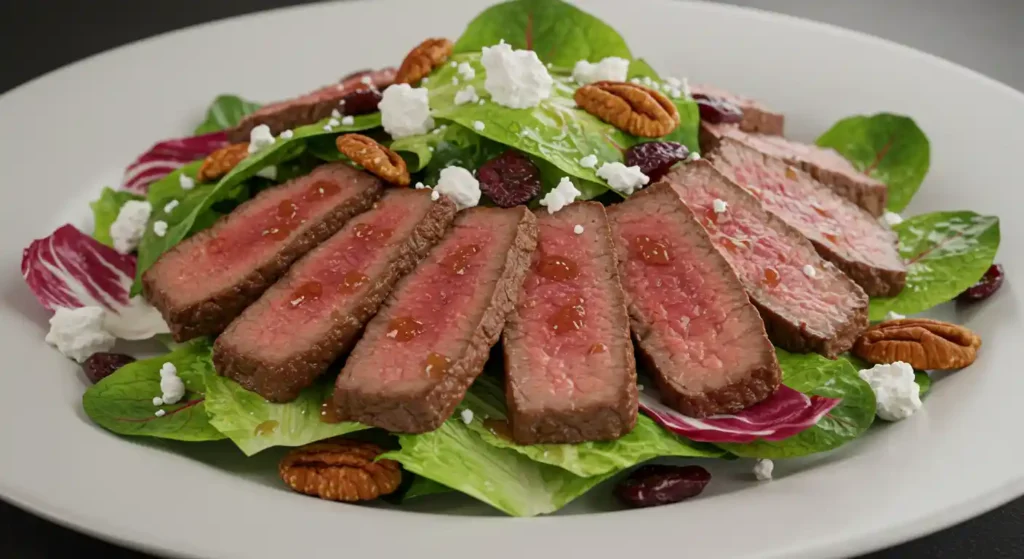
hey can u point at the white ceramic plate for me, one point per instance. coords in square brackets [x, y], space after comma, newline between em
[72, 131]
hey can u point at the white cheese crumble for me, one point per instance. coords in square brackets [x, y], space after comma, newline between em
[435, 195]
[896, 393]
[588, 161]
[623, 179]
[287, 134]
[424, 81]
[467, 416]
[763, 470]
[693, 157]
[159, 228]
[455, 81]
[348, 120]
[405, 111]
[259, 138]
[269, 172]
[893, 316]
[454, 63]
[892, 218]
[160, 413]
[578, 229]
[170, 384]
[466, 95]
[333, 122]
[515, 78]
[460, 185]
[130, 225]
[809, 271]
[719, 205]
[158, 401]
[478, 126]
[79, 333]
[186, 182]
[560, 196]
[335, 113]
[169, 206]
[612, 69]
[466, 71]
[420, 186]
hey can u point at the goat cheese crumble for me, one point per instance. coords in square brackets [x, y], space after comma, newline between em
[623, 179]
[809, 271]
[79, 333]
[693, 157]
[466, 71]
[259, 138]
[467, 416]
[763, 470]
[171, 384]
[435, 195]
[515, 78]
[335, 113]
[158, 401]
[348, 120]
[612, 69]
[160, 413]
[478, 125]
[186, 182]
[892, 218]
[578, 229]
[560, 196]
[405, 111]
[588, 161]
[896, 393]
[169, 206]
[130, 225]
[460, 185]
[466, 95]
[159, 228]
[719, 205]
[287, 134]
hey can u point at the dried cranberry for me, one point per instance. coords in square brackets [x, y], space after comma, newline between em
[986, 286]
[716, 110]
[100, 365]
[509, 179]
[655, 158]
[361, 101]
[656, 484]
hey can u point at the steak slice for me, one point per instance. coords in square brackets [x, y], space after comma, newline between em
[204, 282]
[433, 335]
[843, 233]
[756, 117]
[314, 314]
[694, 325]
[824, 164]
[570, 375]
[311, 107]
[822, 314]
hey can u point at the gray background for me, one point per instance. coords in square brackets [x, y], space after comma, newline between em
[37, 36]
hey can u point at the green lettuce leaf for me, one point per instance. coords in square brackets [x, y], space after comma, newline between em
[888, 147]
[254, 424]
[421, 487]
[924, 381]
[946, 252]
[105, 210]
[226, 111]
[561, 34]
[813, 374]
[123, 402]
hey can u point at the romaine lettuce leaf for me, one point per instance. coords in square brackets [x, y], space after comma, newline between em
[226, 111]
[105, 210]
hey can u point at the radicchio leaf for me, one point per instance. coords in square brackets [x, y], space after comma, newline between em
[71, 269]
[167, 156]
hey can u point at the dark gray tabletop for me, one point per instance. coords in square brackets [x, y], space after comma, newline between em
[986, 35]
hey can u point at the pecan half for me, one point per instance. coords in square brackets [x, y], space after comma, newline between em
[374, 157]
[633, 108]
[422, 60]
[921, 342]
[340, 470]
[220, 162]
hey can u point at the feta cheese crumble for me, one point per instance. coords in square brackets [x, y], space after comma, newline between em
[460, 185]
[896, 393]
[693, 157]
[348, 120]
[259, 138]
[623, 179]
[405, 111]
[186, 182]
[892, 218]
[578, 229]
[335, 113]
[763, 470]
[79, 333]
[466, 95]
[169, 206]
[171, 384]
[332, 123]
[269, 172]
[612, 69]
[158, 401]
[809, 271]
[719, 205]
[467, 416]
[420, 186]
[130, 225]
[515, 78]
[560, 196]
[588, 161]
[435, 195]
[478, 126]
[159, 228]
[160, 413]
[287, 134]
[455, 81]
[466, 71]
[893, 316]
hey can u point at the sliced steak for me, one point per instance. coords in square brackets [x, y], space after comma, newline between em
[824, 313]
[432, 336]
[756, 117]
[314, 314]
[824, 164]
[570, 375]
[312, 107]
[697, 332]
[843, 233]
[204, 282]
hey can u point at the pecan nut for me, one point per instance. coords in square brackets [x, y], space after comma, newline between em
[632, 108]
[923, 343]
[374, 157]
[422, 60]
[220, 162]
[340, 470]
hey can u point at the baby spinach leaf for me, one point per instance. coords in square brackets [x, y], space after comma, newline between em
[105, 210]
[123, 402]
[888, 147]
[226, 111]
[559, 33]
[945, 252]
[813, 374]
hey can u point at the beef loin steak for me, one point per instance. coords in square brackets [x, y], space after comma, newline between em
[826, 165]
[823, 313]
[756, 116]
[433, 334]
[570, 375]
[843, 233]
[204, 282]
[694, 325]
[314, 314]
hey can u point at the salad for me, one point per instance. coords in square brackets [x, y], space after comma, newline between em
[515, 138]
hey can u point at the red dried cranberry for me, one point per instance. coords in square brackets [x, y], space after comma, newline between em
[986, 286]
[716, 110]
[361, 101]
[655, 158]
[656, 484]
[100, 365]
[509, 179]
